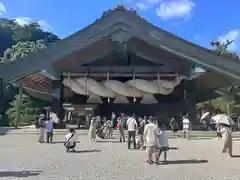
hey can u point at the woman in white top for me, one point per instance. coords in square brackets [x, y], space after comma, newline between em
[227, 138]
[92, 130]
[151, 138]
[186, 126]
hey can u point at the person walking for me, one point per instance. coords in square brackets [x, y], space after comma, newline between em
[132, 126]
[92, 129]
[121, 121]
[174, 126]
[141, 131]
[49, 130]
[162, 143]
[186, 126]
[113, 120]
[151, 139]
[227, 138]
[41, 125]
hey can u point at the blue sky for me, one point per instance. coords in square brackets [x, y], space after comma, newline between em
[199, 21]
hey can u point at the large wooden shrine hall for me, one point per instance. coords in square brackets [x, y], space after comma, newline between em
[123, 63]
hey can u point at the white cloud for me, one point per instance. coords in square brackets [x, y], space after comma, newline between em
[23, 20]
[176, 9]
[2, 9]
[142, 6]
[231, 35]
[44, 25]
[145, 4]
[26, 20]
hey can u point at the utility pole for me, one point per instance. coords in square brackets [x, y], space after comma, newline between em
[19, 104]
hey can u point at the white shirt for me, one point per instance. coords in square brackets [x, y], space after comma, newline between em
[131, 123]
[73, 139]
[49, 125]
[186, 123]
[226, 130]
[151, 134]
[162, 139]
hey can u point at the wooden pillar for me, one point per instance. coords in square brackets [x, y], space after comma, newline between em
[189, 101]
[57, 99]
[19, 104]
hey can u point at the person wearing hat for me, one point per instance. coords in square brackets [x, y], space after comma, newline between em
[92, 129]
[41, 126]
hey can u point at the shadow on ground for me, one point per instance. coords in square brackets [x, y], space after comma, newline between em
[189, 161]
[173, 148]
[59, 142]
[86, 151]
[108, 141]
[235, 156]
[19, 173]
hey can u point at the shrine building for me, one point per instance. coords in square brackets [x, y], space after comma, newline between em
[123, 63]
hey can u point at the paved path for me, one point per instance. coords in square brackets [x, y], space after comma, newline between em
[110, 160]
[32, 130]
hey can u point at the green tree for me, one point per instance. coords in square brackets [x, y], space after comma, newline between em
[27, 109]
[226, 102]
[17, 41]
[22, 49]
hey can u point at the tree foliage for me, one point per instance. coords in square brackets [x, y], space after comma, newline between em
[27, 109]
[22, 49]
[17, 41]
[224, 104]
[12, 33]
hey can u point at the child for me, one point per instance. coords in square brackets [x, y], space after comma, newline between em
[162, 144]
[49, 129]
[71, 140]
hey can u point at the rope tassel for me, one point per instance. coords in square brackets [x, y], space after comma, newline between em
[85, 85]
[107, 83]
[158, 78]
[134, 88]
[68, 80]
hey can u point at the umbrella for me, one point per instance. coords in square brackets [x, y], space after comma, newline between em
[223, 119]
[204, 115]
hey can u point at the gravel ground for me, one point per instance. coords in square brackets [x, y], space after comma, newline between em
[110, 160]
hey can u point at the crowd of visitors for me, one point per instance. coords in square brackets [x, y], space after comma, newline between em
[143, 133]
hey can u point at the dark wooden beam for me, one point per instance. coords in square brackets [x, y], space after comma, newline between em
[120, 69]
[89, 60]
